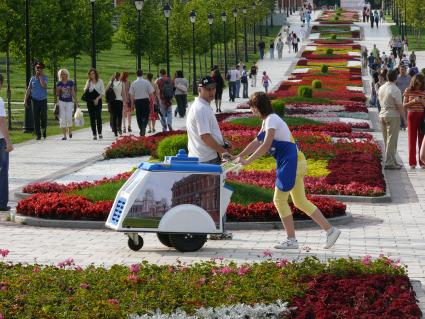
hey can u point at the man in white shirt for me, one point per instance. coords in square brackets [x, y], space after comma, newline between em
[141, 91]
[5, 148]
[232, 76]
[204, 137]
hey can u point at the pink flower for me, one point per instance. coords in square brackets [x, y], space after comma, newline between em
[281, 263]
[202, 281]
[66, 262]
[1, 316]
[78, 268]
[4, 252]
[367, 260]
[267, 253]
[132, 277]
[226, 270]
[135, 268]
[84, 286]
[243, 270]
[113, 301]
[36, 269]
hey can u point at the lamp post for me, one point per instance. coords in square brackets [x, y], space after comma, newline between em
[405, 21]
[287, 8]
[224, 18]
[235, 15]
[167, 12]
[139, 7]
[254, 6]
[29, 121]
[93, 34]
[245, 35]
[192, 18]
[210, 22]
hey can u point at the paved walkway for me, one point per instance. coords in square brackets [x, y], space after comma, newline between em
[396, 229]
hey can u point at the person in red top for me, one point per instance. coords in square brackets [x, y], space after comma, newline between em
[414, 102]
[165, 96]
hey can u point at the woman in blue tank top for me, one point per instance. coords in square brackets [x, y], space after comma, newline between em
[276, 139]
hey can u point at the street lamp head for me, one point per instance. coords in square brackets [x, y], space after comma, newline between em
[192, 16]
[138, 3]
[224, 16]
[92, 1]
[254, 5]
[244, 10]
[167, 10]
[235, 12]
[210, 18]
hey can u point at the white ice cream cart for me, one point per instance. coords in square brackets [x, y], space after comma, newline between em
[180, 199]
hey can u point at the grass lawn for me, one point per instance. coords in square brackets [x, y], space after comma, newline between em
[101, 192]
[243, 194]
[415, 44]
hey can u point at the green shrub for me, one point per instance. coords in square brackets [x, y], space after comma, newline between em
[316, 84]
[305, 91]
[278, 107]
[169, 146]
[333, 37]
[324, 68]
[329, 51]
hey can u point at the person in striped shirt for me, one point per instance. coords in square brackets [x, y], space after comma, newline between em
[414, 102]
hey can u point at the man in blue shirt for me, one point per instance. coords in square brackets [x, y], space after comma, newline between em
[37, 90]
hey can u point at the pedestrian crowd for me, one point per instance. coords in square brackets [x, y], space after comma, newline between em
[149, 100]
[398, 92]
[373, 16]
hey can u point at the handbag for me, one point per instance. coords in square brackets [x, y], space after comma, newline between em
[110, 94]
[56, 111]
[85, 96]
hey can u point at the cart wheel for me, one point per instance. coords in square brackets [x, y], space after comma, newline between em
[188, 242]
[133, 246]
[164, 239]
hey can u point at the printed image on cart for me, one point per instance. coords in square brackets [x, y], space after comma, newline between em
[175, 189]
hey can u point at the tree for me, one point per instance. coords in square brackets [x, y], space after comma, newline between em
[11, 30]
[152, 37]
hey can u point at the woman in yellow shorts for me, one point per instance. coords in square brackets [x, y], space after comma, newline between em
[291, 166]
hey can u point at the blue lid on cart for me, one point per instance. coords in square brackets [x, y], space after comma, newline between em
[181, 163]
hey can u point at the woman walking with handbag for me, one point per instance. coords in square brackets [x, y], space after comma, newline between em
[94, 90]
[153, 106]
[65, 91]
[181, 86]
[115, 101]
[414, 102]
[127, 107]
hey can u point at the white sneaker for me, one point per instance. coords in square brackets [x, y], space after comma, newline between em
[287, 244]
[332, 237]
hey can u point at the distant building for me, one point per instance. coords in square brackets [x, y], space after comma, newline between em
[201, 190]
[149, 206]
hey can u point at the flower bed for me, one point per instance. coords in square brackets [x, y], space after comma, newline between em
[365, 287]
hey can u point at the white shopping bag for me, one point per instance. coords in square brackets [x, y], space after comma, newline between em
[79, 117]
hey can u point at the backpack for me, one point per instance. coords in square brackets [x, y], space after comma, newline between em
[244, 77]
[167, 89]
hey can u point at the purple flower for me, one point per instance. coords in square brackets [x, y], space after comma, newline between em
[243, 270]
[135, 268]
